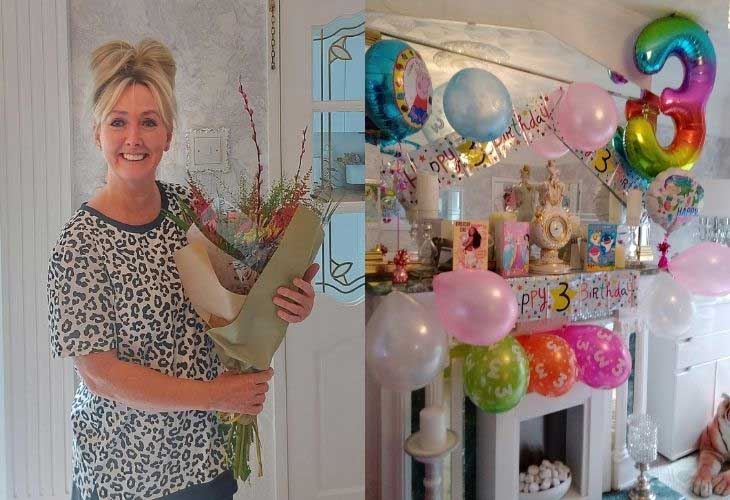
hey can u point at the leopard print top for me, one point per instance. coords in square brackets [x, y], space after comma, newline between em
[115, 286]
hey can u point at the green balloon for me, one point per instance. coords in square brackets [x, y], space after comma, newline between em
[496, 376]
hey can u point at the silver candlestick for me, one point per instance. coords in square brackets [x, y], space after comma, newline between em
[642, 447]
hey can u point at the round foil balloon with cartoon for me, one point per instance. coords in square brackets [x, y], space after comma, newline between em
[674, 199]
[397, 88]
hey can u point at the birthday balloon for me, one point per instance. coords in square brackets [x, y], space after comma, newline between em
[496, 376]
[604, 361]
[552, 364]
[674, 199]
[402, 176]
[397, 88]
[586, 117]
[657, 42]
[669, 309]
[475, 306]
[549, 146]
[703, 269]
[477, 104]
[437, 126]
[634, 178]
[406, 347]
[388, 203]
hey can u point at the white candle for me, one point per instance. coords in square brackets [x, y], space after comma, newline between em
[432, 427]
[633, 207]
[427, 193]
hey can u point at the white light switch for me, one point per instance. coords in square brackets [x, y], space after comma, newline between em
[207, 150]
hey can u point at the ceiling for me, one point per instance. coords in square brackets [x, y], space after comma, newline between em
[539, 51]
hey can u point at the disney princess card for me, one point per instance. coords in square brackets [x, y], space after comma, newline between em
[513, 249]
[601, 247]
[471, 249]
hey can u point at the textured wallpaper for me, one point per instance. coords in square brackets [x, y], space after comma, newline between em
[212, 42]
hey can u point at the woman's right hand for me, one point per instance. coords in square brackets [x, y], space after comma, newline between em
[242, 393]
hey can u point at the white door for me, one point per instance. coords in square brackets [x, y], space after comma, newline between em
[321, 62]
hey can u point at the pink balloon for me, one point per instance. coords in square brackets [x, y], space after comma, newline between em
[586, 117]
[549, 146]
[604, 361]
[703, 269]
[475, 306]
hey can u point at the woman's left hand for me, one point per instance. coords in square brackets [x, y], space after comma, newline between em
[296, 302]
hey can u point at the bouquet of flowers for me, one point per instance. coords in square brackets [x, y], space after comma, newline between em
[238, 254]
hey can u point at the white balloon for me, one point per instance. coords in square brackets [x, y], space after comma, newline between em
[669, 308]
[406, 347]
[437, 126]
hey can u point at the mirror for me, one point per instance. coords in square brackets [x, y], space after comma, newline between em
[529, 63]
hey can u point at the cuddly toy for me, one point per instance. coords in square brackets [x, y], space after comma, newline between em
[714, 450]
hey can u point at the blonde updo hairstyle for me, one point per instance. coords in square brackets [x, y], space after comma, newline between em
[116, 65]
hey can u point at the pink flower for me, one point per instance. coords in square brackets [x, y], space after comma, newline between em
[211, 225]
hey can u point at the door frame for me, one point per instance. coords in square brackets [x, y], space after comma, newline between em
[273, 102]
[275, 92]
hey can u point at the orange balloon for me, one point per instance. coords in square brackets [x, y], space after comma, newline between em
[553, 368]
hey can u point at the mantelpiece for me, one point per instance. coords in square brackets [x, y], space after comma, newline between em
[389, 415]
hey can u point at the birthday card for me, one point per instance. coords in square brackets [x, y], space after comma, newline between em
[601, 247]
[471, 249]
[513, 249]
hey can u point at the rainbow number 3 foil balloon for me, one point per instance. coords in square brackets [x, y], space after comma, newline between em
[685, 39]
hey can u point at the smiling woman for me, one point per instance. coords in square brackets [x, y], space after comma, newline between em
[144, 415]
[134, 111]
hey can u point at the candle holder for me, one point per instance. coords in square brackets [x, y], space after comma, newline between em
[427, 250]
[424, 447]
[413, 244]
[646, 252]
[633, 247]
[642, 447]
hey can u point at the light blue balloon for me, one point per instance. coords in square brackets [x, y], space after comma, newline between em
[477, 105]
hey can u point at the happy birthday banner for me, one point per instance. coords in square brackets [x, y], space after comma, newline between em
[455, 157]
[608, 166]
[576, 296]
